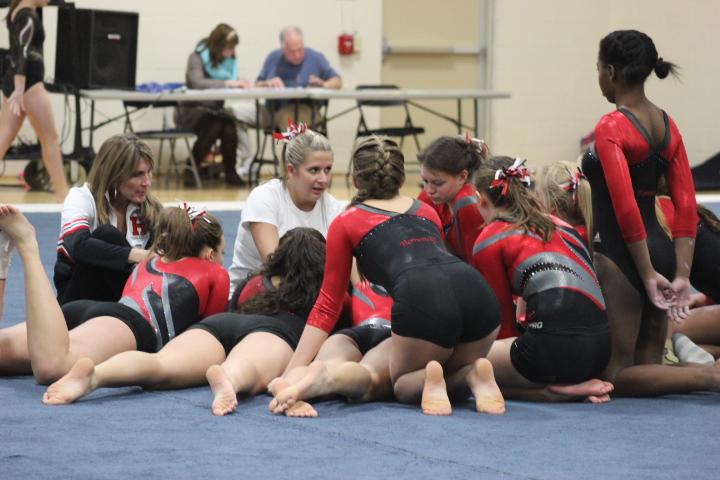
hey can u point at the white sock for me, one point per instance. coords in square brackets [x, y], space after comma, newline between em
[687, 351]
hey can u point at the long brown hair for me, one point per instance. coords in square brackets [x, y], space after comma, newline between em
[519, 202]
[222, 36]
[116, 162]
[378, 169]
[181, 233]
[565, 193]
[299, 261]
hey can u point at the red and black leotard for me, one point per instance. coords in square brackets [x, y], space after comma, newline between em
[26, 50]
[173, 296]
[705, 269]
[461, 220]
[565, 306]
[623, 168]
[437, 297]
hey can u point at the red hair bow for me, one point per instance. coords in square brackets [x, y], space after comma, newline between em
[516, 170]
[573, 182]
[293, 131]
[193, 214]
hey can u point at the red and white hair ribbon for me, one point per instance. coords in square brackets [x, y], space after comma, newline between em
[573, 182]
[516, 170]
[292, 131]
[194, 213]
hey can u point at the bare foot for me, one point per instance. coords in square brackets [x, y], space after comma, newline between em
[596, 399]
[77, 383]
[301, 409]
[16, 225]
[481, 380]
[274, 387]
[225, 398]
[590, 388]
[313, 384]
[435, 399]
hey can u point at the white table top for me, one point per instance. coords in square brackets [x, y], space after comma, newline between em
[290, 93]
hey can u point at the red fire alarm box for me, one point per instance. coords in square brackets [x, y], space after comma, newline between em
[346, 44]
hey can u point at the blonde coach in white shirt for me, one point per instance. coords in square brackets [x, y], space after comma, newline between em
[300, 199]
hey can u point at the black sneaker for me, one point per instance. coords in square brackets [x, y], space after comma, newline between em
[232, 178]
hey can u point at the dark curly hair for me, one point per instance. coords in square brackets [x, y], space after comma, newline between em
[634, 56]
[299, 261]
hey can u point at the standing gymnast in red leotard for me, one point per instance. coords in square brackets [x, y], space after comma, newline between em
[447, 167]
[642, 272]
[443, 311]
[164, 295]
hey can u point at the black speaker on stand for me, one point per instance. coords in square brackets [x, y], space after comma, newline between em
[96, 48]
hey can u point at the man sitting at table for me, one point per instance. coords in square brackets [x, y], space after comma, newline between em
[293, 65]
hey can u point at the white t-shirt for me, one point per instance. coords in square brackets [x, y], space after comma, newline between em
[271, 203]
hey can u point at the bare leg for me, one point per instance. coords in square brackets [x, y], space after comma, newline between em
[248, 369]
[181, 363]
[364, 381]
[703, 325]
[39, 112]
[14, 355]
[334, 351]
[52, 350]
[9, 127]
[625, 308]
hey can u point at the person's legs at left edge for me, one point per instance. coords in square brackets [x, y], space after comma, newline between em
[50, 351]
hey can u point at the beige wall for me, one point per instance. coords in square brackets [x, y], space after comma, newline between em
[545, 52]
[428, 23]
[169, 30]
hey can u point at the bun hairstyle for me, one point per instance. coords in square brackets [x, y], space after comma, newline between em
[504, 181]
[634, 56]
[184, 231]
[299, 261]
[564, 191]
[378, 169]
[454, 154]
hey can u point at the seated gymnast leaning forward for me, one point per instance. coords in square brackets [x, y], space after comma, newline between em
[236, 353]
[397, 242]
[166, 293]
[447, 168]
[564, 341]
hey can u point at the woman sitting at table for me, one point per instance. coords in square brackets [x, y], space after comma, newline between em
[212, 65]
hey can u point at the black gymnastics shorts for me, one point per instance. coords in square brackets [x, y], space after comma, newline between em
[80, 311]
[230, 328]
[368, 335]
[444, 304]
